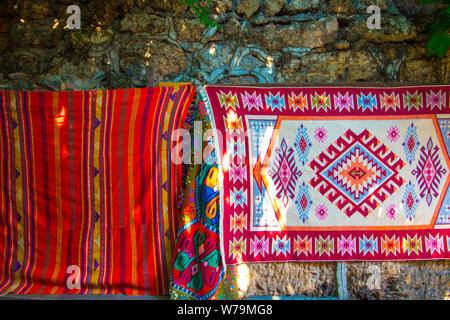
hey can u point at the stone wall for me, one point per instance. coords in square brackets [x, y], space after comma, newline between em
[296, 41]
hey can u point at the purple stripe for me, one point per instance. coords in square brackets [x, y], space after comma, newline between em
[86, 207]
[160, 116]
[108, 181]
[143, 184]
[120, 196]
[30, 170]
[7, 272]
[24, 175]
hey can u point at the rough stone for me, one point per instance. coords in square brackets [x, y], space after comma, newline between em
[166, 59]
[342, 45]
[296, 6]
[30, 61]
[42, 33]
[399, 280]
[318, 33]
[272, 7]
[4, 42]
[416, 8]
[69, 82]
[247, 8]
[306, 279]
[189, 30]
[418, 71]
[5, 25]
[393, 29]
[313, 34]
[138, 22]
[168, 6]
[85, 39]
[340, 7]
[38, 9]
[331, 67]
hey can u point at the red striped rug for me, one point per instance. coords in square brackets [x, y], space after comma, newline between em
[87, 190]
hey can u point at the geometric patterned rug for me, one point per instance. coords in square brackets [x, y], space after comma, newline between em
[332, 173]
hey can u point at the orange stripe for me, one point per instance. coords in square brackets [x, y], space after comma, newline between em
[56, 130]
[134, 108]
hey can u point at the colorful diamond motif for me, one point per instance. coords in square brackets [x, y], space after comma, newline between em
[368, 245]
[390, 245]
[434, 244]
[390, 101]
[411, 143]
[368, 101]
[436, 100]
[238, 247]
[303, 202]
[412, 244]
[298, 102]
[429, 172]
[346, 245]
[275, 101]
[302, 144]
[320, 102]
[343, 102]
[228, 100]
[285, 173]
[251, 101]
[412, 101]
[410, 201]
[281, 246]
[324, 245]
[355, 175]
[320, 134]
[302, 245]
[259, 246]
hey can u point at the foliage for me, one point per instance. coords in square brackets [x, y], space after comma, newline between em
[202, 9]
[438, 31]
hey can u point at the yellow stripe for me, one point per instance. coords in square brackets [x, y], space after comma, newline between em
[173, 84]
[165, 195]
[18, 190]
[34, 188]
[97, 236]
[134, 108]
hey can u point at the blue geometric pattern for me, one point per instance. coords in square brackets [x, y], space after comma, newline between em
[411, 143]
[282, 245]
[258, 129]
[302, 144]
[410, 201]
[368, 245]
[275, 101]
[367, 102]
[381, 174]
[303, 202]
[238, 197]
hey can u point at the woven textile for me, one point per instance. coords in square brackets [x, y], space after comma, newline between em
[198, 272]
[332, 173]
[87, 190]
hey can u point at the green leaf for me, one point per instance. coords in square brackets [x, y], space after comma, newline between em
[438, 44]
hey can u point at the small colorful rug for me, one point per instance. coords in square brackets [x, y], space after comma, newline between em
[332, 173]
[198, 272]
[87, 190]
